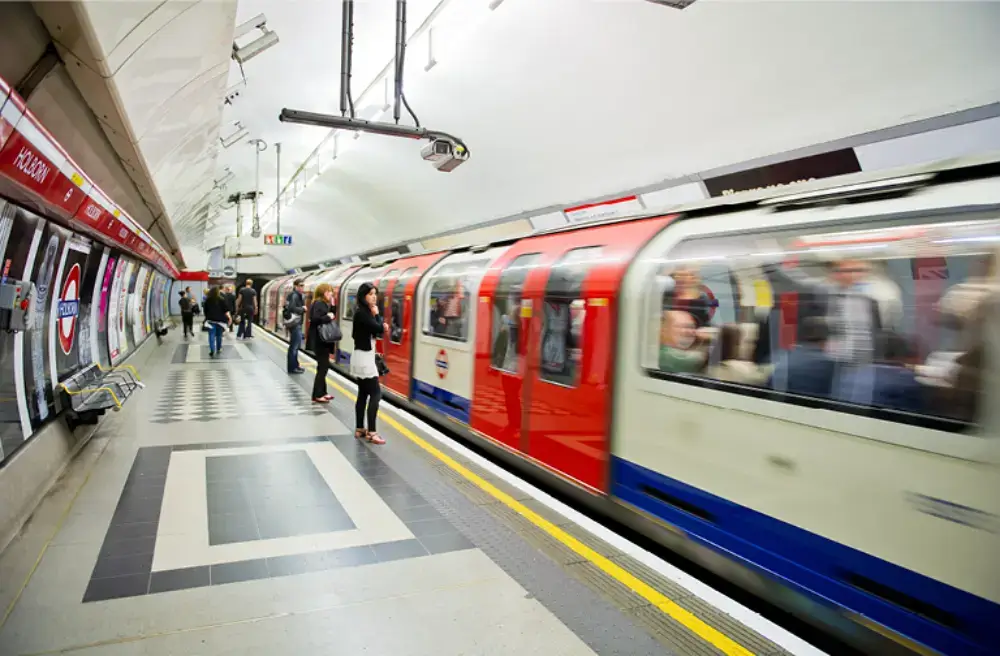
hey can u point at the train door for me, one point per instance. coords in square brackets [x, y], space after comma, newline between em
[348, 296]
[384, 284]
[500, 391]
[399, 313]
[571, 346]
[444, 353]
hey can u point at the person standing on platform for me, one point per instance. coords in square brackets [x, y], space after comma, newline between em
[229, 296]
[247, 302]
[368, 327]
[293, 314]
[216, 318]
[321, 312]
[187, 313]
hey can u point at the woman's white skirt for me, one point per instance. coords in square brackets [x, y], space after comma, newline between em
[363, 364]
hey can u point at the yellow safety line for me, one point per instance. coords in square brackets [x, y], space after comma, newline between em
[690, 621]
[114, 397]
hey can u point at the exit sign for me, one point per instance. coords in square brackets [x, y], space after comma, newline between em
[278, 240]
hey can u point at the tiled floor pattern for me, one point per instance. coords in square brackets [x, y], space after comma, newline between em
[308, 545]
[256, 499]
[211, 394]
[198, 352]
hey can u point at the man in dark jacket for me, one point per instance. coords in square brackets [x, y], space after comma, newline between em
[247, 302]
[187, 313]
[229, 296]
[293, 314]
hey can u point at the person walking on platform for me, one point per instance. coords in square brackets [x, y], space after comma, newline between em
[216, 318]
[293, 314]
[368, 327]
[229, 296]
[248, 310]
[187, 313]
[322, 313]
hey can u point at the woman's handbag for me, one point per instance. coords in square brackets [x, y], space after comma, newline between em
[380, 364]
[329, 332]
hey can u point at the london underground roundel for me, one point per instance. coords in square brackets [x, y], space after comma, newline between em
[69, 309]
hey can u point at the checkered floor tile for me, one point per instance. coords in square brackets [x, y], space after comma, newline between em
[213, 394]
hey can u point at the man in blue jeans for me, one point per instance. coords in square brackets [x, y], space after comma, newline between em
[295, 309]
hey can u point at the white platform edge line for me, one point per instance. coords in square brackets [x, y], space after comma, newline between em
[773, 632]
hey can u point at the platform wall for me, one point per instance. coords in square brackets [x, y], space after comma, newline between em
[91, 304]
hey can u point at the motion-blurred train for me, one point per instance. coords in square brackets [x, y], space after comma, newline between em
[797, 390]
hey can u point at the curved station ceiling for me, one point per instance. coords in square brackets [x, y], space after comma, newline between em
[560, 102]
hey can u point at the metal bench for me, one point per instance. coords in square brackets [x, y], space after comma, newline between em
[94, 390]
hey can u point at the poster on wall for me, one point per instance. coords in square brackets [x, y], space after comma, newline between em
[103, 325]
[96, 266]
[138, 302]
[127, 306]
[64, 314]
[114, 313]
[39, 395]
[17, 241]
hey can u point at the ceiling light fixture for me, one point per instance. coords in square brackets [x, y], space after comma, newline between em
[239, 135]
[266, 40]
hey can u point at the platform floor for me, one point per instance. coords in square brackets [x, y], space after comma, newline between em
[221, 512]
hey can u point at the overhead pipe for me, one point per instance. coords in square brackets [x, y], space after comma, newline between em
[277, 197]
[400, 54]
[346, 48]
[260, 146]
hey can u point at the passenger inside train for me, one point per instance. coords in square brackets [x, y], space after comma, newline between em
[897, 329]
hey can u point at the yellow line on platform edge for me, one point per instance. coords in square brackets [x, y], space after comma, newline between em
[690, 621]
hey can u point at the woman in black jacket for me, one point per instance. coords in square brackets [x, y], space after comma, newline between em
[217, 318]
[368, 326]
[321, 312]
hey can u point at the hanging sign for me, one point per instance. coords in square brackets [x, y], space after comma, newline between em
[277, 240]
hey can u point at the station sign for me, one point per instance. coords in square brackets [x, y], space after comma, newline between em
[277, 240]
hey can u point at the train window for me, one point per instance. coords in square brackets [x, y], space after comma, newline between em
[396, 304]
[351, 291]
[507, 313]
[449, 299]
[564, 313]
[886, 322]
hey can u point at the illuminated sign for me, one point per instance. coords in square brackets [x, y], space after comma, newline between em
[277, 240]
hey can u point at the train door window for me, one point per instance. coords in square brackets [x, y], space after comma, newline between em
[507, 314]
[450, 291]
[383, 283]
[350, 294]
[884, 320]
[564, 313]
[396, 298]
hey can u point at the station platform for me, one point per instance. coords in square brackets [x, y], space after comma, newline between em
[222, 512]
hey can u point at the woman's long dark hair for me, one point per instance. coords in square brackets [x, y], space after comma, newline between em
[363, 291]
[213, 292]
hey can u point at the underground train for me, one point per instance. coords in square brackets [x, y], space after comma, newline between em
[796, 390]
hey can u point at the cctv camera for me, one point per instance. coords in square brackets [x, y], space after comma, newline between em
[445, 154]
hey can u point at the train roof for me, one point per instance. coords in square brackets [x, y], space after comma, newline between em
[870, 184]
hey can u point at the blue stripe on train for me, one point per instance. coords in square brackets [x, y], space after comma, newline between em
[441, 400]
[944, 618]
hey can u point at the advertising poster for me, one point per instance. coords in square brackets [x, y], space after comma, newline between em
[125, 311]
[114, 315]
[40, 399]
[17, 232]
[103, 332]
[65, 322]
[138, 303]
